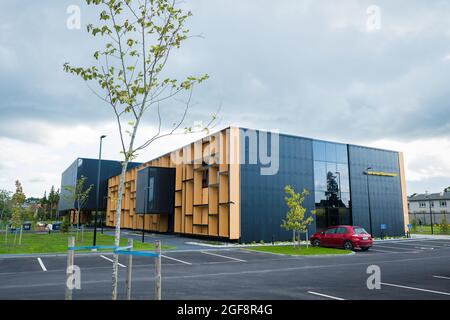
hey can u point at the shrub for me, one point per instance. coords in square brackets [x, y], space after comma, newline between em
[65, 225]
[414, 225]
[443, 227]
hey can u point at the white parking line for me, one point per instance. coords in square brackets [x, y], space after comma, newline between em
[42, 264]
[170, 258]
[112, 261]
[441, 277]
[325, 295]
[226, 257]
[384, 251]
[416, 245]
[399, 249]
[417, 289]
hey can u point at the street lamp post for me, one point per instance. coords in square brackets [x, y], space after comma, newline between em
[97, 189]
[431, 214]
[368, 199]
[103, 218]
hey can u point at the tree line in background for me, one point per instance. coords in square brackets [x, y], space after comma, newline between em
[16, 208]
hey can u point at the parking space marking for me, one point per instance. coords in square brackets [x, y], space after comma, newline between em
[222, 256]
[384, 251]
[441, 277]
[41, 264]
[416, 245]
[398, 248]
[112, 261]
[324, 295]
[417, 289]
[170, 258]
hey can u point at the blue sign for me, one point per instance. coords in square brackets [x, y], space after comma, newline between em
[383, 227]
[409, 226]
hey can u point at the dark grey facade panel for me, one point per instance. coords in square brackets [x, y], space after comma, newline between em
[89, 168]
[262, 196]
[68, 178]
[385, 192]
[155, 190]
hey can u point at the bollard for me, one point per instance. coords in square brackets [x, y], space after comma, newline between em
[158, 270]
[69, 270]
[129, 270]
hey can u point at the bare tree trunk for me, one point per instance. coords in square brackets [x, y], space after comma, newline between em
[115, 272]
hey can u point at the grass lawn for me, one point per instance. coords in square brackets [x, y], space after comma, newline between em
[57, 242]
[427, 230]
[295, 251]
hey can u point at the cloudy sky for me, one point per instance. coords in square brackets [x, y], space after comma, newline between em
[311, 68]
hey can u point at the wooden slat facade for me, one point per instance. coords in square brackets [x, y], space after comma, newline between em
[210, 209]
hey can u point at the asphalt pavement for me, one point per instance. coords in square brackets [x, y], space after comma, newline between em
[409, 269]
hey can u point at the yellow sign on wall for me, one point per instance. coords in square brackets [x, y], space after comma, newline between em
[384, 174]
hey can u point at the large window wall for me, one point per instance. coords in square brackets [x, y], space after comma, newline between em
[331, 184]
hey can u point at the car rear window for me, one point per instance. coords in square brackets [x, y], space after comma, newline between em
[359, 230]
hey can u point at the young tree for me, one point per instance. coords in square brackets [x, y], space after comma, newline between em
[44, 204]
[5, 205]
[78, 195]
[18, 199]
[129, 75]
[296, 219]
[53, 199]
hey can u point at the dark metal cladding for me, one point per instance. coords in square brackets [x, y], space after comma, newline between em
[262, 196]
[300, 159]
[155, 190]
[88, 168]
[385, 192]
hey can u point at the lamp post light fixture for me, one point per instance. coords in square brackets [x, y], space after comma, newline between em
[97, 189]
[368, 199]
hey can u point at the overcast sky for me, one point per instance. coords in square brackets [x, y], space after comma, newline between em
[310, 68]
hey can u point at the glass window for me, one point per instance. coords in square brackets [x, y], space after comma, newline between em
[205, 178]
[341, 230]
[319, 151]
[359, 230]
[331, 231]
[320, 176]
[345, 199]
[344, 177]
[331, 152]
[320, 199]
[341, 153]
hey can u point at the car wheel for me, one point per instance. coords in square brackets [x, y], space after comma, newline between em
[365, 248]
[348, 245]
[316, 243]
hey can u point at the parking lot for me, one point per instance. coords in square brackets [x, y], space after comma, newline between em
[410, 269]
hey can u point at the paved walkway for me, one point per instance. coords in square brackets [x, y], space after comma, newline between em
[430, 236]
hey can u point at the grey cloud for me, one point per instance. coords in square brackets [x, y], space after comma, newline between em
[306, 67]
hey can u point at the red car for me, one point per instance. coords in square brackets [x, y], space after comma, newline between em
[347, 237]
